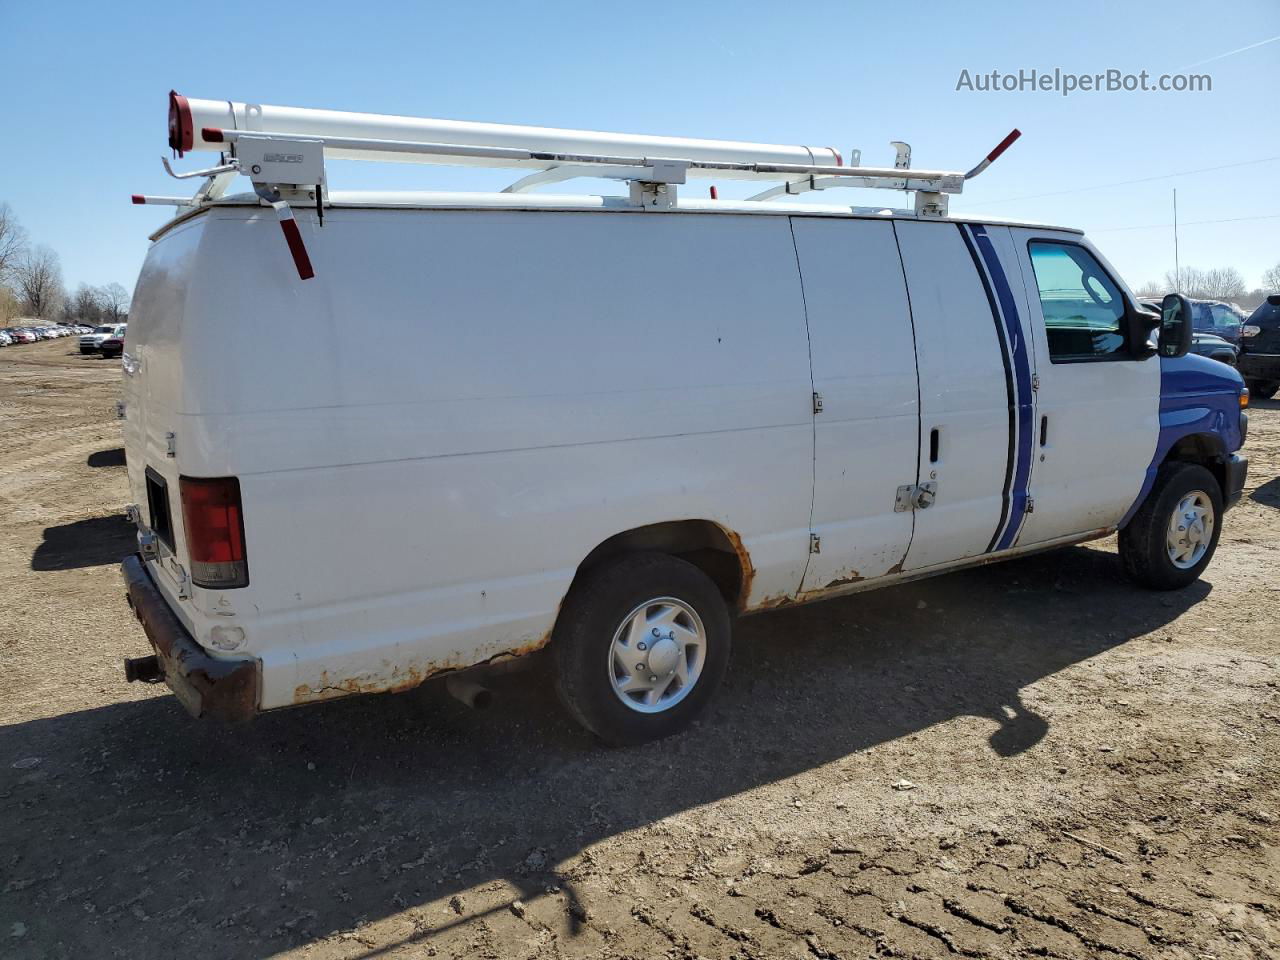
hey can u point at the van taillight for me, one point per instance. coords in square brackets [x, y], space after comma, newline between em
[214, 527]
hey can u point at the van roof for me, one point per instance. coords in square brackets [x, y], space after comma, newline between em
[454, 200]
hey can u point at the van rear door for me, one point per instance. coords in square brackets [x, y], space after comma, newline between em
[152, 395]
[864, 372]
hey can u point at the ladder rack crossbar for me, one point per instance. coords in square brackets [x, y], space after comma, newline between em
[944, 181]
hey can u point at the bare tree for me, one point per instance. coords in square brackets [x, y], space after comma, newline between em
[113, 300]
[1153, 289]
[9, 305]
[13, 241]
[38, 281]
[86, 304]
[1185, 282]
[1271, 279]
[1220, 283]
[1223, 283]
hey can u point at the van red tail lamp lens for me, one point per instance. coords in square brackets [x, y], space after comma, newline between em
[214, 525]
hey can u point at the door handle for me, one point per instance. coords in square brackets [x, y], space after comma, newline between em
[934, 445]
[1044, 429]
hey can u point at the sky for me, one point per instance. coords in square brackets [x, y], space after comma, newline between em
[86, 88]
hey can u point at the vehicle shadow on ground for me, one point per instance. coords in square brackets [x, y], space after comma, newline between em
[1268, 494]
[107, 458]
[85, 543]
[314, 820]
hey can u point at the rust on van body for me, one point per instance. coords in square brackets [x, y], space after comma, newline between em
[399, 678]
[745, 564]
[853, 576]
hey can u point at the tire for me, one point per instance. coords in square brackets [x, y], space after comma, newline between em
[1263, 389]
[593, 647]
[1145, 545]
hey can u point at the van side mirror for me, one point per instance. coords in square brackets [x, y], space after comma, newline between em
[1139, 324]
[1175, 326]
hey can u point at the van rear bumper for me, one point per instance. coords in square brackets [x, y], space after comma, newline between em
[223, 688]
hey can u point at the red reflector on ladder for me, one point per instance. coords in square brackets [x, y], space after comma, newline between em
[293, 237]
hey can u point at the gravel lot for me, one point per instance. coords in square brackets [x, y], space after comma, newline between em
[1032, 759]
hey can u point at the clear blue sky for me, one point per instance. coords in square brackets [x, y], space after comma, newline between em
[86, 85]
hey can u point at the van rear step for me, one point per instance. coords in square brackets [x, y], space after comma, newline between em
[143, 669]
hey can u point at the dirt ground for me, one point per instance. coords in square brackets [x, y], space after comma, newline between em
[1032, 759]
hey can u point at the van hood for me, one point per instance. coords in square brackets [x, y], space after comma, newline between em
[1194, 374]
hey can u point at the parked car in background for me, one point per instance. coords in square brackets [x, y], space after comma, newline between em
[1260, 349]
[1203, 343]
[1214, 347]
[1216, 317]
[5, 339]
[113, 346]
[92, 342]
[22, 335]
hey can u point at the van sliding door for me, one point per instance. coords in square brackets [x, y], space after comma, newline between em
[864, 371]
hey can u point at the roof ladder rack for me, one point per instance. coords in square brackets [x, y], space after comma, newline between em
[283, 152]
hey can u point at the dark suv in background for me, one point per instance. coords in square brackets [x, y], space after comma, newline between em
[1259, 360]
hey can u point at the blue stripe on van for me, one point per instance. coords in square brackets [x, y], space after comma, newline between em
[1022, 385]
[1012, 449]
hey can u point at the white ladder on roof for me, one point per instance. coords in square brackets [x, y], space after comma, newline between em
[283, 150]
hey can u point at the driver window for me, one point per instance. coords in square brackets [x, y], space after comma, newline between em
[1083, 310]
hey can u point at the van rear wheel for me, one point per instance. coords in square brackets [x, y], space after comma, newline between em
[640, 647]
[1172, 537]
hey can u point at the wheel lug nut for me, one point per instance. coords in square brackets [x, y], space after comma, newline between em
[653, 679]
[642, 646]
[657, 632]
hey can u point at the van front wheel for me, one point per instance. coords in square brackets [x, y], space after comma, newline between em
[1172, 537]
[640, 647]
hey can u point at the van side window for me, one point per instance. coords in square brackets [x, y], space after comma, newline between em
[1083, 309]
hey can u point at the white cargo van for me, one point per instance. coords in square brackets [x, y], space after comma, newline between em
[609, 425]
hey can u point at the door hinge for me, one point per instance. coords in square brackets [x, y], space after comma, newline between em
[817, 403]
[815, 543]
[1035, 381]
[1031, 505]
[170, 444]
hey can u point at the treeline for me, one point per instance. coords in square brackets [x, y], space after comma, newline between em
[31, 283]
[1221, 283]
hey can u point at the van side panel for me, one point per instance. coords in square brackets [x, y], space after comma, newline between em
[433, 433]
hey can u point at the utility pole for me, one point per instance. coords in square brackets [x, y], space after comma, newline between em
[1177, 267]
